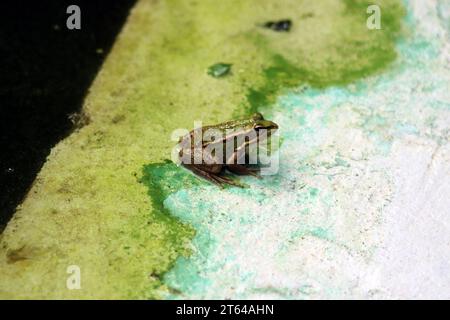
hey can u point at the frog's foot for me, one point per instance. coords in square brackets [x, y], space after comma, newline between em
[225, 180]
[215, 178]
[243, 170]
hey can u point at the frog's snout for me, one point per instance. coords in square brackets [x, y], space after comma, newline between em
[273, 126]
[266, 124]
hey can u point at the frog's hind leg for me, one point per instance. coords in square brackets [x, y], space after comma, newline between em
[243, 170]
[239, 162]
[205, 175]
[225, 180]
[213, 177]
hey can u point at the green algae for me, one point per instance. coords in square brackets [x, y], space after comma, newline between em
[87, 206]
[313, 191]
[165, 178]
[364, 53]
[281, 74]
[340, 228]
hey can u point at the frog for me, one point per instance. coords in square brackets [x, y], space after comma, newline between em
[226, 149]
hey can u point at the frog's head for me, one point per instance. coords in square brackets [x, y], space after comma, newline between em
[259, 123]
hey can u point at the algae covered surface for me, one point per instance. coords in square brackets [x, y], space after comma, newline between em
[101, 200]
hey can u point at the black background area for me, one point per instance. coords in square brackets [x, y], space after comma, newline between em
[45, 72]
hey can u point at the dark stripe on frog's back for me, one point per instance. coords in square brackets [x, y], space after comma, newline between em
[231, 136]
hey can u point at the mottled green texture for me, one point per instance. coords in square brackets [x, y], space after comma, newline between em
[317, 230]
[164, 178]
[87, 206]
[355, 53]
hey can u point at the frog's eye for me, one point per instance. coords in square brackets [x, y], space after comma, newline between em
[257, 116]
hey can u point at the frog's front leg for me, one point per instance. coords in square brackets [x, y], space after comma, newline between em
[234, 166]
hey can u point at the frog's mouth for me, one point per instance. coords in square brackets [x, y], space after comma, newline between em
[264, 129]
[266, 124]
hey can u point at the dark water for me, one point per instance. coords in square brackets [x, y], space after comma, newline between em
[45, 72]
